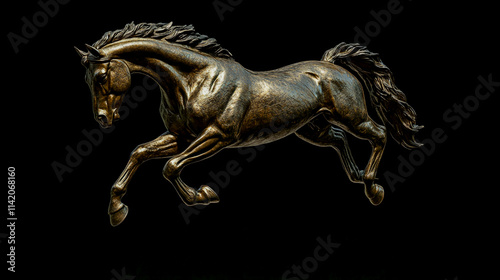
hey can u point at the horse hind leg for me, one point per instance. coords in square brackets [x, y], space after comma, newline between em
[321, 133]
[377, 136]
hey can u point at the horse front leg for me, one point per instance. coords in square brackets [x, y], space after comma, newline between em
[207, 144]
[161, 147]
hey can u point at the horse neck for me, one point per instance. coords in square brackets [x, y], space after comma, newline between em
[171, 53]
[168, 64]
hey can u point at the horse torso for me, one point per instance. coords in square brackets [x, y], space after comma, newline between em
[256, 107]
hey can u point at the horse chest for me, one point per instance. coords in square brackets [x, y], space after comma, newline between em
[175, 122]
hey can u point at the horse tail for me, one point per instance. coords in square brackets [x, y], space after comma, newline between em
[389, 102]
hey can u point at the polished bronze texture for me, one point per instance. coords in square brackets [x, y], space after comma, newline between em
[210, 102]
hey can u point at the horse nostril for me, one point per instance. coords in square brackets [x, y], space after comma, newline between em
[102, 119]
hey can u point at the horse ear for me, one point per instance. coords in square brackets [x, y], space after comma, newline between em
[93, 51]
[84, 57]
[80, 52]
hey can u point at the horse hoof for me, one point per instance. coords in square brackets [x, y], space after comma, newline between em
[205, 195]
[117, 217]
[375, 194]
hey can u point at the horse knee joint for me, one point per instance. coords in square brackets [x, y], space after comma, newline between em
[117, 191]
[170, 169]
[138, 153]
[383, 138]
[380, 138]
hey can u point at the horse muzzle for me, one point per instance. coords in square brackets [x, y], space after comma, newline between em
[104, 121]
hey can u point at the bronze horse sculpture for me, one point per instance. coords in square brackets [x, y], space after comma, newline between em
[210, 102]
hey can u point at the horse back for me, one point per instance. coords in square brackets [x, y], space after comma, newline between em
[270, 105]
[258, 107]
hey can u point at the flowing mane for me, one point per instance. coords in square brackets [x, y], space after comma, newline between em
[181, 34]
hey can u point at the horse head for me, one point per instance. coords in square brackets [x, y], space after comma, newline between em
[108, 80]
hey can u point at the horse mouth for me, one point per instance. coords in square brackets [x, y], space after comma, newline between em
[105, 125]
[104, 121]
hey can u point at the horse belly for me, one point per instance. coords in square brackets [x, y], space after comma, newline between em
[272, 116]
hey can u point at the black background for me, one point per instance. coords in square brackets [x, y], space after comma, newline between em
[437, 224]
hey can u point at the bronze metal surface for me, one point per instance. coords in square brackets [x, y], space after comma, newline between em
[210, 102]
